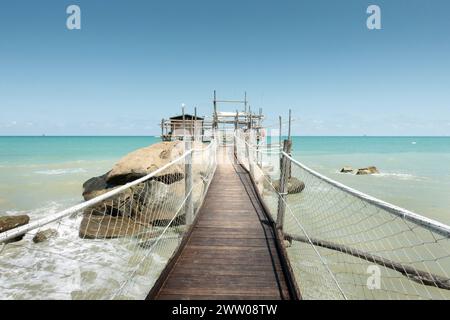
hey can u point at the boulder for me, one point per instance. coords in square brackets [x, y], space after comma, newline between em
[118, 205]
[294, 185]
[44, 235]
[11, 222]
[143, 161]
[162, 203]
[346, 170]
[368, 170]
[153, 202]
[96, 186]
[200, 161]
[108, 227]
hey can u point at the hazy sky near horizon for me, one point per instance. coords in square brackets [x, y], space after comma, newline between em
[134, 62]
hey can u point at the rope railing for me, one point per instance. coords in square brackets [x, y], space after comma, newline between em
[113, 246]
[344, 244]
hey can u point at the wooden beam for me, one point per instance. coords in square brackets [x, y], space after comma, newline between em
[413, 274]
[188, 185]
[284, 176]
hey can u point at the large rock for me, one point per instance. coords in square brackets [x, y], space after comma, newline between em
[368, 170]
[200, 160]
[108, 227]
[11, 222]
[96, 186]
[143, 161]
[346, 170]
[153, 202]
[163, 203]
[294, 185]
[44, 235]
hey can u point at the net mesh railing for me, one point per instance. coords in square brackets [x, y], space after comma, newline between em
[113, 246]
[343, 244]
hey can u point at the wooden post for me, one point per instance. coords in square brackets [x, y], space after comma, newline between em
[247, 155]
[279, 136]
[250, 117]
[245, 101]
[290, 139]
[215, 111]
[284, 178]
[184, 123]
[258, 139]
[289, 128]
[189, 206]
[194, 124]
[162, 129]
[235, 132]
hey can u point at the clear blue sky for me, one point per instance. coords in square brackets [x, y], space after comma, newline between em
[134, 62]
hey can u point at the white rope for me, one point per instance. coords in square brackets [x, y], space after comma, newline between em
[153, 245]
[113, 246]
[280, 197]
[428, 223]
[328, 212]
[13, 233]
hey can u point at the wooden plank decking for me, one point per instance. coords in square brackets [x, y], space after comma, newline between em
[231, 253]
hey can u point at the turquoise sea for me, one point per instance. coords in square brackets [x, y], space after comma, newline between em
[46, 173]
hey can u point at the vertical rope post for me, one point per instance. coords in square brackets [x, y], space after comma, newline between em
[189, 207]
[245, 101]
[235, 132]
[194, 125]
[279, 138]
[290, 139]
[184, 123]
[215, 111]
[284, 179]
[258, 140]
[247, 155]
[279, 133]
[289, 127]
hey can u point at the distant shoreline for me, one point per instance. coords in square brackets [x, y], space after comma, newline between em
[156, 135]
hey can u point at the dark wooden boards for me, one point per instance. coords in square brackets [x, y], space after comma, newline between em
[231, 252]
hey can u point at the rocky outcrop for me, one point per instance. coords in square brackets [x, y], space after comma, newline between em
[143, 161]
[44, 235]
[346, 170]
[108, 227]
[294, 185]
[153, 202]
[368, 170]
[11, 222]
[96, 186]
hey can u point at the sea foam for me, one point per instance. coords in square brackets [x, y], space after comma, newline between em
[61, 171]
[400, 176]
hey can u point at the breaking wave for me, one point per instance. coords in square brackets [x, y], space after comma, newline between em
[61, 171]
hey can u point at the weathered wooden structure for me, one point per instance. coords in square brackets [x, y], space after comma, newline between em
[232, 250]
[179, 126]
[249, 221]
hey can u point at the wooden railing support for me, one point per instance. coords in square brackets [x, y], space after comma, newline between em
[247, 155]
[285, 170]
[189, 206]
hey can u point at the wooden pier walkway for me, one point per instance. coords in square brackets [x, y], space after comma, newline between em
[231, 252]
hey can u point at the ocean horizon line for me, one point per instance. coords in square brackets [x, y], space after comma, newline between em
[157, 136]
